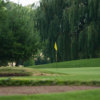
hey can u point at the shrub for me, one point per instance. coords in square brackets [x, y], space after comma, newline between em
[29, 62]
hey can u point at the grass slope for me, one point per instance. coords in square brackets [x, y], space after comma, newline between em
[73, 64]
[76, 95]
[10, 71]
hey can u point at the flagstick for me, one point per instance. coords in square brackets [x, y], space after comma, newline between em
[55, 47]
[56, 58]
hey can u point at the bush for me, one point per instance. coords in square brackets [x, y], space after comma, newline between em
[3, 63]
[29, 62]
[40, 61]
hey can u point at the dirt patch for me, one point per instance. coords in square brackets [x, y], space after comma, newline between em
[41, 89]
[44, 74]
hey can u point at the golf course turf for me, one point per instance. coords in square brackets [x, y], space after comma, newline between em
[78, 72]
[76, 95]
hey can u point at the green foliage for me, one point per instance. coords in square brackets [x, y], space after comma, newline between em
[73, 24]
[3, 14]
[18, 38]
[29, 62]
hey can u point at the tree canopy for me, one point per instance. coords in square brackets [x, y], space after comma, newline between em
[18, 38]
[74, 24]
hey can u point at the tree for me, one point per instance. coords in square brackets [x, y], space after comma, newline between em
[20, 40]
[73, 24]
[3, 27]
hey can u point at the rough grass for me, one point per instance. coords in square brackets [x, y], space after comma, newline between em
[11, 82]
[9, 71]
[76, 95]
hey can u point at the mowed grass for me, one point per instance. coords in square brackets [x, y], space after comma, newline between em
[70, 74]
[84, 74]
[73, 64]
[78, 70]
[76, 95]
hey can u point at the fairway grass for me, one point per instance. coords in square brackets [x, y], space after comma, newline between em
[77, 72]
[65, 76]
[68, 74]
[76, 95]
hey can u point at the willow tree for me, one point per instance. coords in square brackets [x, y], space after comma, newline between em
[74, 24]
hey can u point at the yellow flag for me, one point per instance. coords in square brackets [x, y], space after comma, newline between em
[55, 46]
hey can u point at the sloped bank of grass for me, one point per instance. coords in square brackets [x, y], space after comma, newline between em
[76, 95]
[73, 64]
[10, 71]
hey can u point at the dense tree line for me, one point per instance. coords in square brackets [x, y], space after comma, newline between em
[18, 37]
[73, 24]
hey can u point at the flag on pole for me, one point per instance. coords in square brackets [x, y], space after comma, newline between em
[56, 49]
[55, 46]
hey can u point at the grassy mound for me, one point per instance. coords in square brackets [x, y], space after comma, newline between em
[73, 64]
[8, 71]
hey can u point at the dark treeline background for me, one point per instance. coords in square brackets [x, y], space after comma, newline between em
[18, 36]
[73, 24]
